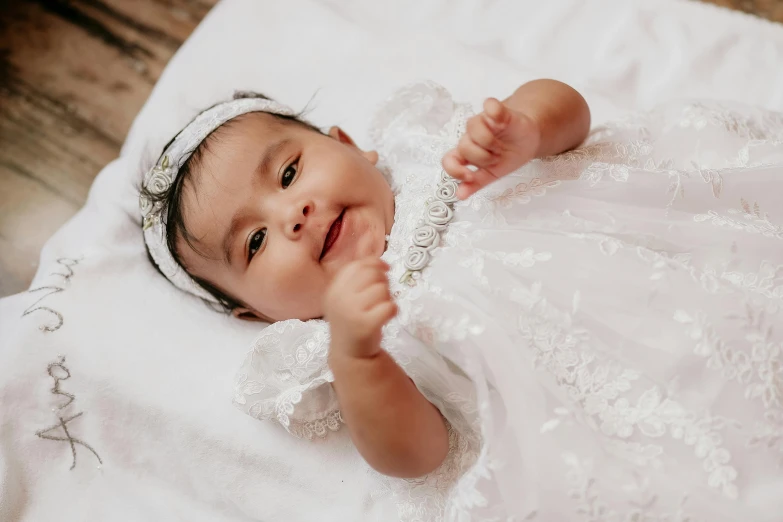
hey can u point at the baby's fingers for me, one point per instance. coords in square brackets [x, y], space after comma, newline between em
[362, 273]
[480, 130]
[456, 166]
[381, 313]
[475, 154]
[372, 295]
[498, 116]
[466, 190]
[481, 178]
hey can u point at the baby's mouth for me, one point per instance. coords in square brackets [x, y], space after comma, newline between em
[333, 234]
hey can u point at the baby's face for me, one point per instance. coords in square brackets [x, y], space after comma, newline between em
[277, 209]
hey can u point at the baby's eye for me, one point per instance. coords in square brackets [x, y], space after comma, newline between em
[288, 175]
[256, 241]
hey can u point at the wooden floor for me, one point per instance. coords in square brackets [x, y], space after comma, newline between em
[73, 74]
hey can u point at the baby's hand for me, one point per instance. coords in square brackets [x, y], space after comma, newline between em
[357, 304]
[497, 142]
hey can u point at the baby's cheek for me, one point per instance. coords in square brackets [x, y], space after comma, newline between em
[285, 289]
[303, 289]
[370, 237]
[372, 245]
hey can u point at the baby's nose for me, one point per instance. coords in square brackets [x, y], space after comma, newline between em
[305, 211]
[298, 218]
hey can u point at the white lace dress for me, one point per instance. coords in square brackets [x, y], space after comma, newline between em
[602, 329]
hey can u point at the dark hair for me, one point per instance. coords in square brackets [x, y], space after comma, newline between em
[171, 198]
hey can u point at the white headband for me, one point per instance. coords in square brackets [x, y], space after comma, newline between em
[162, 175]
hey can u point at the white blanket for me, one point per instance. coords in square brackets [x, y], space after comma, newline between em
[115, 388]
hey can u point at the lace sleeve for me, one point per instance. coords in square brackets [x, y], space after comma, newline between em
[285, 378]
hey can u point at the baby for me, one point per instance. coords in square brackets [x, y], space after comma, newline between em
[280, 221]
[443, 244]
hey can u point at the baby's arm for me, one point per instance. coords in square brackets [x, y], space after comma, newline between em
[396, 430]
[541, 118]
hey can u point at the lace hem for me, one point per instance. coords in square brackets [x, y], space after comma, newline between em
[317, 428]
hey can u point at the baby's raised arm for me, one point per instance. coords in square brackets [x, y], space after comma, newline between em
[394, 427]
[397, 431]
[541, 118]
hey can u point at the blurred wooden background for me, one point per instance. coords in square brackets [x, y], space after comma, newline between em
[73, 74]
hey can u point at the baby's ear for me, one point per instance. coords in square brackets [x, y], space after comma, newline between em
[341, 136]
[247, 314]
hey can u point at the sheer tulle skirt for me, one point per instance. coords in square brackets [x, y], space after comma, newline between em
[628, 335]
